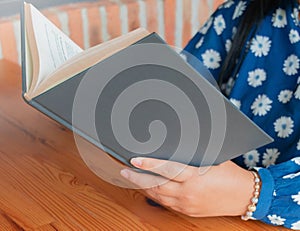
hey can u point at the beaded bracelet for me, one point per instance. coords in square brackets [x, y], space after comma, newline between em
[254, 199]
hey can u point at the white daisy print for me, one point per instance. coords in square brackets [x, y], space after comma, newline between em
[296, 160]
[294, 36]
[228, 4]
[239, 10]
[291, 65]
[256, 77]
[270, 157]
[285, 96]
[279, 18]
[260, 46]
[298, 145]
[211, 59]
[251, 159]
[206, 26]
[291, 176]
[296, 198]
[276, 220]
[199, 44]
[284, 127]
[298, 81]
[297, 93]
[219, 24]
[296, 225]
[236, 103]
[295, 16]
[261, 105]
[228, 45]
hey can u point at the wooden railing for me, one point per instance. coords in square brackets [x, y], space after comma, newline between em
[91, 23]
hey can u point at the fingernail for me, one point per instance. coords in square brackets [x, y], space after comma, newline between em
[137, 162]
[125, 173]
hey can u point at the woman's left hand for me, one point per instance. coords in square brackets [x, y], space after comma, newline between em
[222, 190]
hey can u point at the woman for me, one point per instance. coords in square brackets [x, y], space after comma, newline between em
[252, 48]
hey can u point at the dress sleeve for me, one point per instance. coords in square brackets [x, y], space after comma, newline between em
[211, 43]
[279, 201]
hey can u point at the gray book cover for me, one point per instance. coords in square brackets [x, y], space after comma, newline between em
[147, 101]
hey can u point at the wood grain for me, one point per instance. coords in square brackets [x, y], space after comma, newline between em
[45, 184]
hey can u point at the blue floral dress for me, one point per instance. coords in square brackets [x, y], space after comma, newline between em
[267, 90]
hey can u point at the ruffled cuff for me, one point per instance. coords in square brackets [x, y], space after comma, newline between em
[279, 201]
[266, 194]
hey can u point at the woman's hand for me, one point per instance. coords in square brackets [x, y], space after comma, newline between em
[223, 190]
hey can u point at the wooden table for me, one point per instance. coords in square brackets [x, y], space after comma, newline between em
[45, 185]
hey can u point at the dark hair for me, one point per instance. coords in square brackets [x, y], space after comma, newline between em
[255, 12]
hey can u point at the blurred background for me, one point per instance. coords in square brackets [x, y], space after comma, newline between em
[10, 7]
[90, 22]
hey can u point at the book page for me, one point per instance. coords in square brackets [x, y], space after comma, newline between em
[53, 46]
[88, 58]
[28, 64]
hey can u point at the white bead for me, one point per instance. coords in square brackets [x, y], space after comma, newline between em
[251, 208]
[244, 218]
[249, 214]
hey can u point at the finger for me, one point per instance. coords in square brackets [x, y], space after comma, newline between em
[162, 199]
[171, 189]
[168, 169]
[143, 180]
[155, 184]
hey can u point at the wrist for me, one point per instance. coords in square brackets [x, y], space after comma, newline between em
[246, 191]
[251, 208]
[239, 191]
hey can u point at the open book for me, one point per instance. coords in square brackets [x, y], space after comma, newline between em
[52, 57]
[95, 93]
